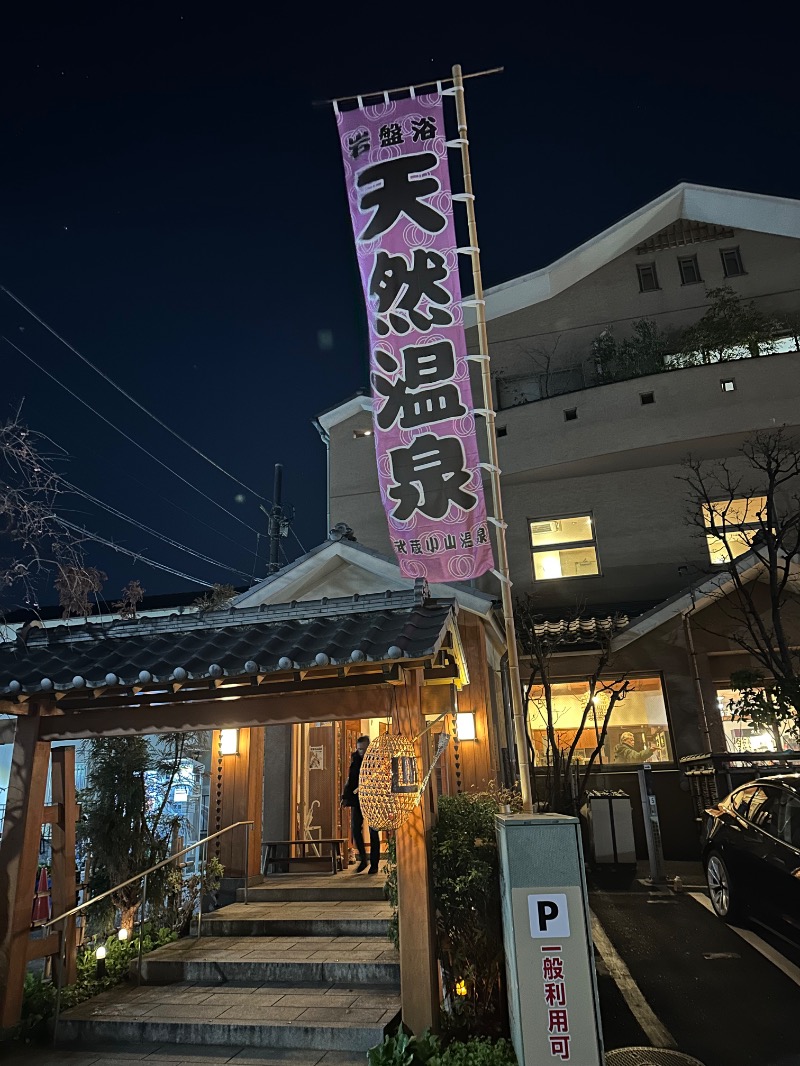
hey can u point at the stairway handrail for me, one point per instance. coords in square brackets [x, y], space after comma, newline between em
[143, 873]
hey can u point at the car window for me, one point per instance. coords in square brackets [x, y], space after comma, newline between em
[740, 801]
[762, 809]
[788, 820]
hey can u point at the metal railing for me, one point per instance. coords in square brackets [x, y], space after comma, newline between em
[63, 918]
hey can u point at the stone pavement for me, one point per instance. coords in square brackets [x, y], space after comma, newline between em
[178, 1055]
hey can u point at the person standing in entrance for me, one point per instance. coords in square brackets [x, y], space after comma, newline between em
[351, 799]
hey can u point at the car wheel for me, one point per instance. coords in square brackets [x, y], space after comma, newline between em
[724, 896]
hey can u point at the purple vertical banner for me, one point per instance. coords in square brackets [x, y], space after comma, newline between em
[398, 185]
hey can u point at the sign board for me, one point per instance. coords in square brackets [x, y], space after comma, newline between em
[554, 972]
[401, 205]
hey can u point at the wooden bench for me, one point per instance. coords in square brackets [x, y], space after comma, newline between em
[337, 845]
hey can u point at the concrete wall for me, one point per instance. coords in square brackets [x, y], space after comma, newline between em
[619, 461]
[610, 297]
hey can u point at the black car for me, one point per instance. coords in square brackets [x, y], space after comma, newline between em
[751, 853]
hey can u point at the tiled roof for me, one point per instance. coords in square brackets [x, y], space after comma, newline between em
[257, 640]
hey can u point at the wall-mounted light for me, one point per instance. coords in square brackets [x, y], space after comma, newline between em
[465, 724]
[122, 935]
[229, 741]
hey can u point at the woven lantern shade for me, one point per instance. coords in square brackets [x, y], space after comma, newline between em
[388, 784]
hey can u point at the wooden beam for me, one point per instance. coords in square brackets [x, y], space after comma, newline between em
[220, 713]
[43, 946]
[19, 857]
[419, 981]
[63, 853]
[51, 813]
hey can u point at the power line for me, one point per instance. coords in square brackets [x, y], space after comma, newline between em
[291, 530]
[141, 447]
[194, 518]
[153, 532]
[134, 555]
[128, 396]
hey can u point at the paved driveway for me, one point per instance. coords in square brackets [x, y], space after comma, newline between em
[676, 972]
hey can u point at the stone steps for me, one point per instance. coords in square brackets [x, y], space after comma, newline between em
[328, 1017]
[333, 918]
[216, 960]
[343, 887]
[303, 968]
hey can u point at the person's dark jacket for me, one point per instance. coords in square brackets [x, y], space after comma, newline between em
[625, 753]
[350, 794]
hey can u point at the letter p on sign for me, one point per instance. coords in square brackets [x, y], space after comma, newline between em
[549, 916]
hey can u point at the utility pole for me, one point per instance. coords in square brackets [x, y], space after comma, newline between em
[278, 522]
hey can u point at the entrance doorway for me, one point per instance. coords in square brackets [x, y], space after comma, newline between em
[322, 752]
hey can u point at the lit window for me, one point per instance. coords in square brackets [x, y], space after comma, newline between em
[727, 384]
[690, 271]
[638, 730]
[735, 522]
[648, 279]
[742, 735]
[563, 547]
[358, 433]
[731, 262]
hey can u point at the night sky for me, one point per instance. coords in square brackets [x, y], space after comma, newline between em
[173, 206]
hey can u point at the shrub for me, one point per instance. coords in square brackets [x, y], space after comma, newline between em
[427, 1050]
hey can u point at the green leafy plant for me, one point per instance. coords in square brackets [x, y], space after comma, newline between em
[401, 1049]
[390, 888]
[729, 329]
[635, 356]
[183, 894]
[466, 887]
[39, 995]
[767, 704]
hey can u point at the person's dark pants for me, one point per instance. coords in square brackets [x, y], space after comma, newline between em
[357, 823]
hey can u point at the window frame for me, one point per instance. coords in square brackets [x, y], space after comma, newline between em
[731, 527]
[535, 550]
[691, 259]
[643, 267]
[635, 675]
[736, 251]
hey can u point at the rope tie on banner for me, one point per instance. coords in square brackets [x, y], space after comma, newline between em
[412, 92]
[386, 98]
[360, 103]
[439, 89]
[336, 107]
[490, 467]
[456, 143]
[487, 412]
[496, 522]
[502, 577]
[468, 249]
[478, 358]
[473, 303]
[462, 196]
[452, 90]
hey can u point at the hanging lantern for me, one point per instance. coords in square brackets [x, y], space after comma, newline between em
[388, 783]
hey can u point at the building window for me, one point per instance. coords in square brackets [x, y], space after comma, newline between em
[570, 414]
[359, 433]
[728, 384]
[638, 729]
[563, 547]
[732, 524]
[648, 279]
[742, 735]
[690, 271]
[647, 397]
[732, 262]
